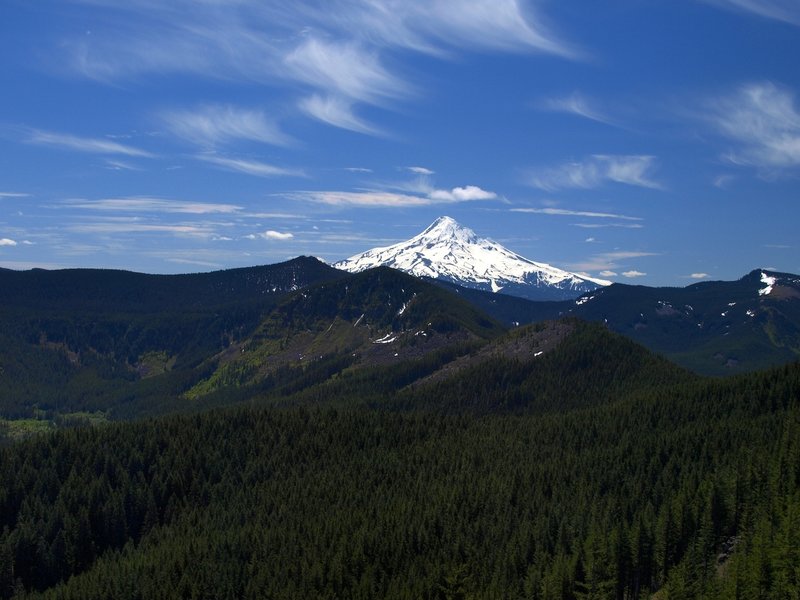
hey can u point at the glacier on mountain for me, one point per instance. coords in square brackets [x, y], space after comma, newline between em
[451, 252]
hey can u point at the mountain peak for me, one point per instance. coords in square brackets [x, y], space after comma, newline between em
[449, 251]
[447, 229]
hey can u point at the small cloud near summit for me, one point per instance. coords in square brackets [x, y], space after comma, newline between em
[698, 275]
[462, 194]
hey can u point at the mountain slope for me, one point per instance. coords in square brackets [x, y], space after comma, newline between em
[377, 317]
[714, 327]
[88, 339]
[451, 252]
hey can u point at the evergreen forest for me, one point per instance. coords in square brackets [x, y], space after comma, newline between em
[665, 486]
[292, 432]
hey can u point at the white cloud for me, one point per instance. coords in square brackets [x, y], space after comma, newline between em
[248, 37]
[609, 261]
[624, 255]
[119, 165]
[596, 171]
[250, 167]
[501, 24]
[387, 198]
[577, 105]
[420, 170]
[367, 198]
[590, 240]
[348, 51]
[763, 120]
[575, 213]
[462, 194]
[277, 235]
[13, 195]
[698, 275]
[632, 274]
[82, 144]
[345, 69]
[722, 181]
[147, 204]
[780, 10]
[335, 111]
[358, 169]
[132, 227]
[608, 273]
[7, 242]
[219, 124]
[602, 225]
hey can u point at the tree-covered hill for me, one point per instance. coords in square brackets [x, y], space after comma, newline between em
[214, 338]
[79, 340]
[712, 327]
[683, 491]
[715, 327]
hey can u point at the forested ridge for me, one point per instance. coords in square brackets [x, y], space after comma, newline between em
[687, 489]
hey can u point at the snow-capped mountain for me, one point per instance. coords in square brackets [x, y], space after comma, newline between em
[454, 253]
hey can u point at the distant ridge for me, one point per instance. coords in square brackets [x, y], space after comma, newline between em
[451, 252]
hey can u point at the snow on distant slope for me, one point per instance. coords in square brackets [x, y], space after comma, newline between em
[451, 252]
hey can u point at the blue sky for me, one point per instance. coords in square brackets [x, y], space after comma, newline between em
[644, 141]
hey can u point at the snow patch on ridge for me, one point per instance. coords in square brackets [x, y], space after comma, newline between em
[769, 281]
[387, 339]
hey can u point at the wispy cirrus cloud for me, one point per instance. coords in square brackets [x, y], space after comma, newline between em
[249, 166]
[345, 68]
[221, 124]
[575, 213]
[84, 144]
[336, 111]
[787, 11]
[440, 27]
[610, 261]
[111, 227]
[365, 199]
[603, 225]
[383, 198]
[597, 170]
[346, 54]
[144, 204]
[244, 37]
[13, 195]
[575, 104]
[763, 120]
[420, 170]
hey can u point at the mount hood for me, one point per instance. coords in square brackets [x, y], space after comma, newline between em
[451, 252]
